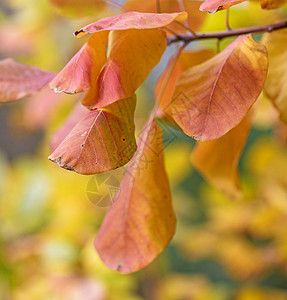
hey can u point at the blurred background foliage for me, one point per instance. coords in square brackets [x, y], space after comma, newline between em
[223, 249]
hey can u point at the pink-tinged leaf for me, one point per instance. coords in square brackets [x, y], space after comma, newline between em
[132, 20]
[213, 97]
[75, 116]
[218, 160]
[83, 68]
[103, 140]
[141, 222]
[132, 54]
[213, 6]
[18, 80]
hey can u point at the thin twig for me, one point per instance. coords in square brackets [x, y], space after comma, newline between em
[223, 34]
[186, 28]
[227, 20]
[158, 6]
[218, 45]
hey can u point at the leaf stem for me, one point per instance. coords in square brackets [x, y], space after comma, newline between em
[227, 20]
[223, 34]
[158, 6]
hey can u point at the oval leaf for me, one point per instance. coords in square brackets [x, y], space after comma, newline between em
[141, 222]
[132, 54]
[103, 140]
[83, 68]
[213, 6]
[132, 20]
[213, 97]
[18, 80]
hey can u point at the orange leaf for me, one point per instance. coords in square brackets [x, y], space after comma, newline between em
[141, 221]
[213, 6]
[177, 65]
[132, 54]
[18, 80]
[213, 97]
[272, 4]
[76, 8]
[275, 86]
[101, 141]
[132, 20]
[195, 16]
[84, 67]
[218, 160]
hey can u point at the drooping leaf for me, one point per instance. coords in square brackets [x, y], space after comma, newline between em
[132, 54]
[77, 114]
[141, 221]
[272, 4]
[213, 6]
[218, 160]
[132, 20]
[195, 16]
[275, 86]
[84, 68]
[101, 141]
[76, 8]
[213, 97]
[178, 64]
[18, 80]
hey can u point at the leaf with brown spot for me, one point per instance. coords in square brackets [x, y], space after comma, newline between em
[212, 6]
[132, 20]
[132, 54]
[18, 80]
[83, 69]
[103, 140]
[218, 160]
[275, 86]
[213, 97]
[141, 222]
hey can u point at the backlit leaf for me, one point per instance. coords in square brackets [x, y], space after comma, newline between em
[84, 67]
[213, 6]
[218, 160]
[275, 86]
[18, 80]
[213, 97]
[101, 141]
[141, 222]
[132, 20]
[132, 54]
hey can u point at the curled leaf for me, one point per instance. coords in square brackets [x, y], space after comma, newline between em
[18, 80]
[141, 222]
[103, 140]
[213, 97]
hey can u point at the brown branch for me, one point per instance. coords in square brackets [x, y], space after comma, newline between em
[223, 34]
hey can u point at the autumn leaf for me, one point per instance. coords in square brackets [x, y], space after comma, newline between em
[84, 68]
[101, 141]
[213, 97]
[76, 8]
[275, 86]
[132, 20]
[195, 16]
[141, 221]
[212, 6]
[18, 80]
[218, 160]
[132, 54]
[272, 4]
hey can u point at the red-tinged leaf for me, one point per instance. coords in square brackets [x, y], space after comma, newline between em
[84, 67]
[78, 113]
[132, 54]
[195, 16]
[213, 6]
[272, 4]
[76, 8]
[178, 64]
[141, 222]
[132, 20]
[18, 80]
[103, 140]
[218, 160]
[213, 97]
